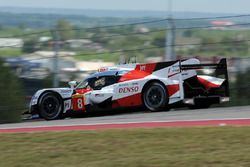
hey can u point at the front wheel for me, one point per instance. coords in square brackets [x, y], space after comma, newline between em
[50, 106]
[155, 97]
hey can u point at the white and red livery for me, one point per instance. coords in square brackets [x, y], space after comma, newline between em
[153, 85]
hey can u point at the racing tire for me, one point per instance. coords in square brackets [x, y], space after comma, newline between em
[50, 106]
[155, 97]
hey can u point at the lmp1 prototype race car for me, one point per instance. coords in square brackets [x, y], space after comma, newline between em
[153, 85]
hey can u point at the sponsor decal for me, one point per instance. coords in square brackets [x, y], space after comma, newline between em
[129, 89]
[65, 91]
[175, 69]
[183, 74]
[102, 69]
[134, 83]
[123, 85]
[67, 104]
[142, 68]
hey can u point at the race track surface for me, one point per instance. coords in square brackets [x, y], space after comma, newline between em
[201, 117]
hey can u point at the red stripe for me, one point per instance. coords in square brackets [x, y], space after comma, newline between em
[172, 89]
[173, 75]
[140, 71]
[149, 68]
[235, 122]
[133, 100]
[134, 74]
[206, 83]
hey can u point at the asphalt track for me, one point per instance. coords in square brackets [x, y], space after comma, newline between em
[232, 116]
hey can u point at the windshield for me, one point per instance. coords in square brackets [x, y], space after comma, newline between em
[97, 83]
[92, 83]
[82, 84]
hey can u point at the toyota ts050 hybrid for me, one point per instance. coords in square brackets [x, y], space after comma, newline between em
[152, 85]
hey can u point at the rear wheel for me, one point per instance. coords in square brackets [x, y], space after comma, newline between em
[155, 96]
[50, 106]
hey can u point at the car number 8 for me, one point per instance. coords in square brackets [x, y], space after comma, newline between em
[79, 103]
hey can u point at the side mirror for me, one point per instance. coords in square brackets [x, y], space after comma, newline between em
[72, 84]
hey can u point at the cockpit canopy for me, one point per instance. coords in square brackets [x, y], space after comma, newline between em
[99, 80]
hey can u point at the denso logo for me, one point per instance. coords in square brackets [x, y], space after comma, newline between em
[129, 89]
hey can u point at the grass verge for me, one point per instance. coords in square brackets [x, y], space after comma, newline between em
[210, 146]
[5, 52]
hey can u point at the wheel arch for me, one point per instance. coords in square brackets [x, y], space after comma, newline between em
[50, 91]
[152, 81]
[148, 83]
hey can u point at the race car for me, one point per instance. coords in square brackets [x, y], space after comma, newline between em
[152, 85]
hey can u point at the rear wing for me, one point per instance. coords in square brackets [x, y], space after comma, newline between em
[220, 70]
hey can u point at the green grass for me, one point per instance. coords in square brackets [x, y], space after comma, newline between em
[215, 147]
[10, 31]
[10, 52]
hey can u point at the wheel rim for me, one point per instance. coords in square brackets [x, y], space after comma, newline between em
[51, 106]
[154, 97]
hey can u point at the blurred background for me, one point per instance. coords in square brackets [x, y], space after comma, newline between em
[48, 43]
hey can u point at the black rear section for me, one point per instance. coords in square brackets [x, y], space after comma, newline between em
[194, 89]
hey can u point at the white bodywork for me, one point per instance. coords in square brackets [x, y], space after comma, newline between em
[171, 75]
[65, 93]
